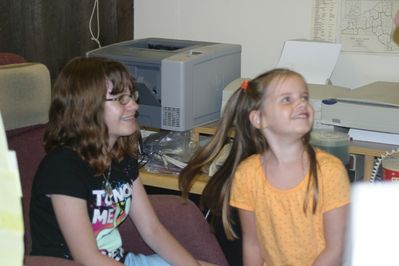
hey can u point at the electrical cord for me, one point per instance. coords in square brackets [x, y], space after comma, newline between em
[378, 162]
[95, 38]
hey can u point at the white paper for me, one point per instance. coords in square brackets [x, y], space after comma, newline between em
[314, 60]
[373, 136]
[4, 157]
[11, 217]
[373, 234]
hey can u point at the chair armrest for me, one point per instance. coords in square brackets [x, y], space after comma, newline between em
[48, 261]
[25, 92]
[185, 222]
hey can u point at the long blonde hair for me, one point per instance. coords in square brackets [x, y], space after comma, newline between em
[248, 140]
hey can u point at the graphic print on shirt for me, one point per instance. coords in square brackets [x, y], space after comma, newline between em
[110, 210]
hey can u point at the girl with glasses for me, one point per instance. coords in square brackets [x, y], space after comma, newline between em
[88, 184]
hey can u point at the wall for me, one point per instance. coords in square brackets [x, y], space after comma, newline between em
[260, 26]
[54, 31]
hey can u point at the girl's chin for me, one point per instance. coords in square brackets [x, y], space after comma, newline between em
[126, 131]
[130, 131]
[130, 128]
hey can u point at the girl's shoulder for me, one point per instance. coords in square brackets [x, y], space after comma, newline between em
[62, 171]
[250, 161]
[252, 158]
[61, 152]
[61, 159]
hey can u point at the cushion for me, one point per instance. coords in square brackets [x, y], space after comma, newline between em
[11, 58]
[25, 91]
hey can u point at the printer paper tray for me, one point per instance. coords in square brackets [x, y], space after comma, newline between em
[367, 102]
[360, 115]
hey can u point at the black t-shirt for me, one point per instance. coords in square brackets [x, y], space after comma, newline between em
[63, 172]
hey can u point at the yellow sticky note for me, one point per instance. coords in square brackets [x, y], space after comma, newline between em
[11, 248]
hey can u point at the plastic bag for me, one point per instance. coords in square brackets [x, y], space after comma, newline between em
[167, 152]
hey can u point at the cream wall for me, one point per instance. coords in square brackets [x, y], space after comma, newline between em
[260, 26]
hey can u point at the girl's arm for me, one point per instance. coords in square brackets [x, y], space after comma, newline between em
[74, 221]
[334, 233]
[154, 233]
[250, 243]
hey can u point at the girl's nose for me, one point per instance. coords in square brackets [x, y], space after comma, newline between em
[302, 102]
[132, 104]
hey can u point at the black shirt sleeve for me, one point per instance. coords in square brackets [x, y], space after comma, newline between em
[63, 172]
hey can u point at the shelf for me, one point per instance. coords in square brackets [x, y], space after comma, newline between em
[370, 150]
[171, 181]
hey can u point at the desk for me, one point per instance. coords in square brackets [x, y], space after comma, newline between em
[370, 150]
[167, 181]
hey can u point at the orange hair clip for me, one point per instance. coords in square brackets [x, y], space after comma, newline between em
[244, 85]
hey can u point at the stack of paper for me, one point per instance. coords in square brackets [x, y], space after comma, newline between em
[11, 219]
[314, 60]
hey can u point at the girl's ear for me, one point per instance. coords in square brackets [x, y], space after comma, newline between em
[255, 119]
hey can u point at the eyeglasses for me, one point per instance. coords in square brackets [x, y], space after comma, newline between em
[125, 98]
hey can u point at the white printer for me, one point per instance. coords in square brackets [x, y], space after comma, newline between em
[180, 81]
[317, 94]
[372, 107]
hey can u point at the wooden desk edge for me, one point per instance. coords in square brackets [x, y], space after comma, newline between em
[168, 181]
[355, 146]
[368, 149]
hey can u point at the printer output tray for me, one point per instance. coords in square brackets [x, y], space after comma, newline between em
[373, 107]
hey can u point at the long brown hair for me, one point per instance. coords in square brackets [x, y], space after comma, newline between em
[248, 140]
[76, 116]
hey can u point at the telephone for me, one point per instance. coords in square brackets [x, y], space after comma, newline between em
[378, 162]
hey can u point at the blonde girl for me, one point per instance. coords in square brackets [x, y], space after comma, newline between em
[292, 199]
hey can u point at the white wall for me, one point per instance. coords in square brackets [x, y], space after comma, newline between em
[260, 26]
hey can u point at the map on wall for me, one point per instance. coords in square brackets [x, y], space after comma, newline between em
[364, 26]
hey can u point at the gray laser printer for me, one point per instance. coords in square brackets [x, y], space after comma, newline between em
[180, 82]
